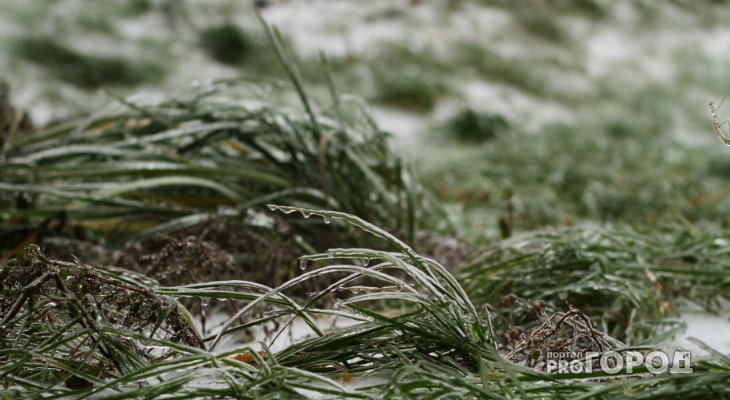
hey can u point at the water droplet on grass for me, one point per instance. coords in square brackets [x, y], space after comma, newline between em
[303, 263]
[327, 219]
[272, 207]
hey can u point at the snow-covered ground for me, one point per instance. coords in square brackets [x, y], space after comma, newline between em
[599, 51]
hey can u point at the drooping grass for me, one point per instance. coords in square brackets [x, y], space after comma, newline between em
[202, 164]
[438, 325]
[415, 335]
[168, 164]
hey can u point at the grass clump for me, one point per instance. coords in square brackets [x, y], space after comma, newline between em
[159, 166]
[438, 326]
[155, 183]
[196, 165]
[469, 125]
[627, 280]
[410, 91]
[227, 43]
[83, 70]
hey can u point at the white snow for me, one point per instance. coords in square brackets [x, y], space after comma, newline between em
[713, 330]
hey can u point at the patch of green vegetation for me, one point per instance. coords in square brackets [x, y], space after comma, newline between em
[566, 174]
[419, 333]
[411, 91]
[496, 68]
[202, 160]
[387, 13]
[227, 43]
[138, 7]
[470, 125]
[96, 22]
[250, 51]
[83, 70]
[589, 8]
[408, 77]
[176, 189]
[628, 279]
[538, 20]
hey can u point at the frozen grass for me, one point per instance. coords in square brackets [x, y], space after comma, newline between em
[417, 332]
[155, 183]
[629, 280]
[183, 180]
[232, 148]
[175, 165]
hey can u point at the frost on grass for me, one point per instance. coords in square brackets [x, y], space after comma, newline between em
[60, 320]
[415, 330]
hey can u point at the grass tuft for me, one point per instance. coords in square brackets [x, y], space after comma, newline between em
[626, 280]
[470, 125]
